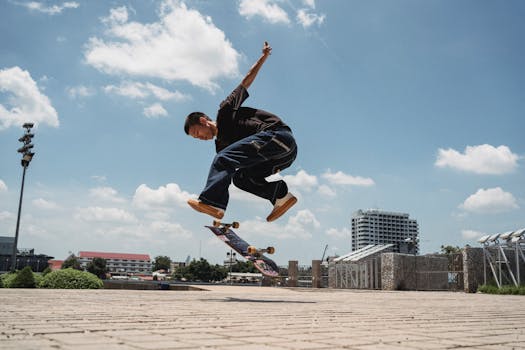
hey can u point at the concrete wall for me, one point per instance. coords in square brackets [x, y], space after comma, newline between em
[293, 273]
[317, 278]
[409, 272]
[472, 269]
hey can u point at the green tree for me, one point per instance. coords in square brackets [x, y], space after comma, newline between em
[71, 262]
[447, 250]
[98, 267]
[24, 279]
[162, 263]
[179, 273]
[201, 270]
[244, 266]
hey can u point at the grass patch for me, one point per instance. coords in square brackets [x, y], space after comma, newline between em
[504, 290]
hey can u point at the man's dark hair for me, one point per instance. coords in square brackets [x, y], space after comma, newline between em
[193, 119]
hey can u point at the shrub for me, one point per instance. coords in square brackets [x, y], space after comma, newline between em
[71, 279]
[24, 279]
[38, 279]
[8, 279]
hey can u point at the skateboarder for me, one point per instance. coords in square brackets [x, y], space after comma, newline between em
[251, 145]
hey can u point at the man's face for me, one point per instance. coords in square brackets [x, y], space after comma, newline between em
[202, 131]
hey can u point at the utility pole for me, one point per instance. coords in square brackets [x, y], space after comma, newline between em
[27, 156]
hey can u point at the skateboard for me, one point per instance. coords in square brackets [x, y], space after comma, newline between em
[262, 263]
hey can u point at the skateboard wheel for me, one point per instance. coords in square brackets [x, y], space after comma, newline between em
[252, 250]
[270, 250]
[235, 224]
[216, 223]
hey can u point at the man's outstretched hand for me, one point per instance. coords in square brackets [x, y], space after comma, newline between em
[267, 49]
[252, 73]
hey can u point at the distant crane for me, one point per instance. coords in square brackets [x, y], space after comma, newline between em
[325, 247]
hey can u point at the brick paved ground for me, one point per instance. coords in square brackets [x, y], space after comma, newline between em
[234, 318]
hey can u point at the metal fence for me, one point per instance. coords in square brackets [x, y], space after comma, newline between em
[357, 275]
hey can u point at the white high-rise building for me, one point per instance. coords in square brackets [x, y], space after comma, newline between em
[375, 226]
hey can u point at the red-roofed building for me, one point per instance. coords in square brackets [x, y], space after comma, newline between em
[55, 264]
[119, 263]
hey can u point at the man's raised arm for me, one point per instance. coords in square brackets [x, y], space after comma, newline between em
[252, 73]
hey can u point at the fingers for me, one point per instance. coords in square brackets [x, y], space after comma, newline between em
[267, 48]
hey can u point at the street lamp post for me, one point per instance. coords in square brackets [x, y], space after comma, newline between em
[27, 156]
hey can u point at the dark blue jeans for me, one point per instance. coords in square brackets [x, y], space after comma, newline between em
[247, 163]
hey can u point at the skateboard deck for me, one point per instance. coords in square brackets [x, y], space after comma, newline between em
[262, 263]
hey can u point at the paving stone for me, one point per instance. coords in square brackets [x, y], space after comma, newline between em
[230, 317]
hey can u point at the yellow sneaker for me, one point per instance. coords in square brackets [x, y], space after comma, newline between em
[206, 209]
[281, 206]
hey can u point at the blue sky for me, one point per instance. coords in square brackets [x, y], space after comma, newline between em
[407, 106]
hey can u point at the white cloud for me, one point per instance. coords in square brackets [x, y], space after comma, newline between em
[238, 194]
[164, 94]
[50, 10]
[336, 233]
[156, 233]
[182, 45]
[106, 194]
[309, 3]
[267, 9]
[25, 102]
[80, 91]
[301, 180]
[45, 204]
[168, 229]
[117, 15]
[3, 186]
[471, 234]
[304, 217]
[164, 196]
[99, 214]
[99, 178]
[340, 178]
[36, 231]
[482, 159]
[5, 215]
[155, 110]
[492, 200]
[307, 19]
[137, 90]
[326, 191]
[128, 89]
[299, 226]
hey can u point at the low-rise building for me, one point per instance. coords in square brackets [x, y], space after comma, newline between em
[24, 257]
[55, 264]
[119, 263]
